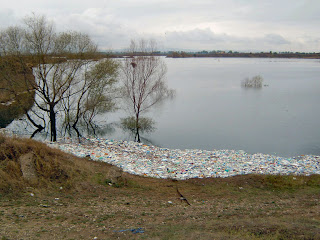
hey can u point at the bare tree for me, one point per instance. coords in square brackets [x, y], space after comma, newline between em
[59, 60]
[94, 93]
[143, 80]
[254, 82]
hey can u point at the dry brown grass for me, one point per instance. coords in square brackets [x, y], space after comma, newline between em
[240, 207]
[53, 167]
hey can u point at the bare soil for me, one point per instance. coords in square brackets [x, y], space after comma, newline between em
[243, 207]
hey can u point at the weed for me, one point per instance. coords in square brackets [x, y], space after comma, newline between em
[61, 218]
[2, 139]
[105, 217]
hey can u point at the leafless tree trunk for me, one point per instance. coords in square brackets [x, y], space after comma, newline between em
[143, 80]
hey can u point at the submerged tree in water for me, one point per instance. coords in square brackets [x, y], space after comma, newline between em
[63, 81]
[145, 124]
[255, 82]
[93, 95]
[143, 82]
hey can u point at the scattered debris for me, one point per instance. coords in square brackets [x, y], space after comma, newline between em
[182, 198]
[44, 205]
[134, 230]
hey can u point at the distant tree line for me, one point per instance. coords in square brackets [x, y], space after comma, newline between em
[220, 53]
[182, 54]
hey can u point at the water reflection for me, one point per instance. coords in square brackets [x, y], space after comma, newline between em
[84, 130]
[137, 126]
[212, 111]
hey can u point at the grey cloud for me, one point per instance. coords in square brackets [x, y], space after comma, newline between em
[274, 39]
[7, 17]
[223, 24]
[207, 39]
[101, 25]
[195, 35]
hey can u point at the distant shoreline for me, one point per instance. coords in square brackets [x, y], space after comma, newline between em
[222, 54]
[247, 55]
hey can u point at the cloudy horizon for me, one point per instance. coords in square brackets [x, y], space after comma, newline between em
[237, 25]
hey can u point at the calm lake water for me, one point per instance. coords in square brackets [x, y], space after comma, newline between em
[212, 111]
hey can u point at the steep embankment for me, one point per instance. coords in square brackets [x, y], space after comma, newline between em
[27, 163]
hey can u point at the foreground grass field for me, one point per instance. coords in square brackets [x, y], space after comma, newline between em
[74, 198]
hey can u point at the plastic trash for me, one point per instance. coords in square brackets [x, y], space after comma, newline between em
[148, 160]
[134, 230]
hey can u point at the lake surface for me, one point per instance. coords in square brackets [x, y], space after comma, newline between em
[212, 111]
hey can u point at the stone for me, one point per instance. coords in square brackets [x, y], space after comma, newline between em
[115, 174]
[28, 169]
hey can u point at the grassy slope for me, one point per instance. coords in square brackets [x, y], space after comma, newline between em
[73, 200]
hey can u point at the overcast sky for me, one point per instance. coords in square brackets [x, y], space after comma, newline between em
[243, 25]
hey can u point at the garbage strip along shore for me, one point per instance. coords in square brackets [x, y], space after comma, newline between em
[147, 160]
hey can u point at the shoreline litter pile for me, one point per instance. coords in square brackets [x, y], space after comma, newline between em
[146, 160]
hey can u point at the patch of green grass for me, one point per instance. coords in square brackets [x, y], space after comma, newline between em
[99, 178]
[31, 204]
[105, 217]
[61, 218]
[291, 183]
[43, 229]
[136, 185]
